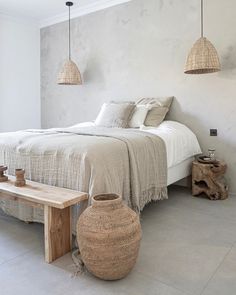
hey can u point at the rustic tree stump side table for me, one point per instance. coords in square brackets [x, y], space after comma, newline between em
[209, 179]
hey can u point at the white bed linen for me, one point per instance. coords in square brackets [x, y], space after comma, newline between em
[181, 142]
[180, 171]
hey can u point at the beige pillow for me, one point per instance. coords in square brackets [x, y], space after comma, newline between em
[114, 115]
[160, 107]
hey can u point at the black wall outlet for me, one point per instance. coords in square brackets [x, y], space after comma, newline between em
[213, 132]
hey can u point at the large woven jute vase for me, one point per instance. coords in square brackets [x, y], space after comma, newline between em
[109, 235]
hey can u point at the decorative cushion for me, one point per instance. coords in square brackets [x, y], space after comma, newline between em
[160, 107]
[115, 115]
[139, 116]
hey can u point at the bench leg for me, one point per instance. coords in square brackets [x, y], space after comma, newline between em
[57, 232]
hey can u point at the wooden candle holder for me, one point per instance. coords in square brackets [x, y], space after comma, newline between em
[20, 177]
[2, 176]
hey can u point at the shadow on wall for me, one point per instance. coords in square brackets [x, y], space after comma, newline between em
[202, 132]
[176, 113]
[228, 63]
[93, 72]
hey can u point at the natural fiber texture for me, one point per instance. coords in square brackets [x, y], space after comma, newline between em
[78, 263]
[109, 234]
[70, 74]
[203, 58]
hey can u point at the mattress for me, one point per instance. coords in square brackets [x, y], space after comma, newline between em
[179, 171]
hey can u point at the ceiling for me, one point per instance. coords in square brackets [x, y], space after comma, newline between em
[47, 12]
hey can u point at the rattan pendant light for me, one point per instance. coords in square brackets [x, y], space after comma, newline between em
[203, 57]
[69, 74]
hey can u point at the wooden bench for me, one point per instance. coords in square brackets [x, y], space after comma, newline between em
[56, 203]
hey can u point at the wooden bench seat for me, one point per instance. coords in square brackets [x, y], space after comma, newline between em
[56, 203]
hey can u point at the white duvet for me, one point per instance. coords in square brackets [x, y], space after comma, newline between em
[181, 142]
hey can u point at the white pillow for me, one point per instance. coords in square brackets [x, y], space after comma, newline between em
[139, 116]
[114, 115]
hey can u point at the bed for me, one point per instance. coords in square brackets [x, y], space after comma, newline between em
[137, 164]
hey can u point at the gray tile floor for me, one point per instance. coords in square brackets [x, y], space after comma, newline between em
[188, 247]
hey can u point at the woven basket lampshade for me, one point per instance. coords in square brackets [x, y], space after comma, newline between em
[203, 58]
[69, 74]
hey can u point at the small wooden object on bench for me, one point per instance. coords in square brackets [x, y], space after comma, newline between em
[209, 179]
[56, 203]
[3, 177]
[20, 177]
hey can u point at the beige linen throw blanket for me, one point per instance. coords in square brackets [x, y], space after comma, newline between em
[131, 163]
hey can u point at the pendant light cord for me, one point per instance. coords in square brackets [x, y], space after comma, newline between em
[202, 18]
[69, 37]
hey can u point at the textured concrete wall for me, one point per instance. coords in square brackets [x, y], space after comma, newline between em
[139, 49]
